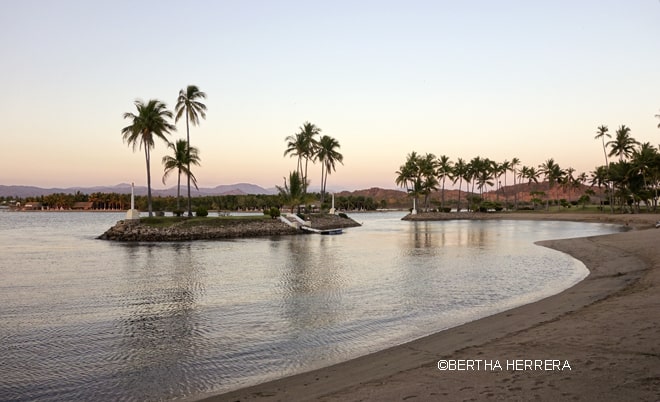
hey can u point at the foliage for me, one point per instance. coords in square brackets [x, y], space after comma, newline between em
[273, 212]
[201, 211]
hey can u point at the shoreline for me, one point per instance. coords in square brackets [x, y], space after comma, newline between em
[606, 327]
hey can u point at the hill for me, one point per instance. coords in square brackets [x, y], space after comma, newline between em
[125, 188]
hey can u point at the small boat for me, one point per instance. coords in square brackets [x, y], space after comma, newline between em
[332, 232]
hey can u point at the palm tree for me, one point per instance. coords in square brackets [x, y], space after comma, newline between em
[181, 163]
[486, 170]
[602, 133]
[410, 175]
[658, 116]
[444, 171]
[459, 172]
[150, 122]
[569, 181]
[529, 173]
[327, 153]
[303, 145]
[515, 162]
[428, 182]
[189, 103]
[623, 145]
[292, 194]
[553, 174]
[505, 167]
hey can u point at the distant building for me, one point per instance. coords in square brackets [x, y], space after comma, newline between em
[82, 205]
[32, 206]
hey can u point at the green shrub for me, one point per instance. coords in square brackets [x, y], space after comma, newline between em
[446, 209]
[178, 212]
[274, 212]
[343, 215]
[201, 211]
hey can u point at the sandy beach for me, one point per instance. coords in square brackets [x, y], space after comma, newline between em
[599, 340]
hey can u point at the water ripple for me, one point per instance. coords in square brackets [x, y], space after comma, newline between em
[92, 320]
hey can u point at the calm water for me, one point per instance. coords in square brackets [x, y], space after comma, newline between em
[85, 319]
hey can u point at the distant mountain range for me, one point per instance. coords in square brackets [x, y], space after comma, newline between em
[125, 188]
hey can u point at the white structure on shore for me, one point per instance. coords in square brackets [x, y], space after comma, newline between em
[332, 210]
[133, 213]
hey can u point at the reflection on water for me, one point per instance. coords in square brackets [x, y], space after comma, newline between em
[85, 319]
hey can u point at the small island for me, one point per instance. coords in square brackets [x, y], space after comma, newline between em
[172, 228]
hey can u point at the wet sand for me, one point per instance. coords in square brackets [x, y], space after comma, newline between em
[606, 329]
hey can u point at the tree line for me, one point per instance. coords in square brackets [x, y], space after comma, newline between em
[629, 182]
[250, 202]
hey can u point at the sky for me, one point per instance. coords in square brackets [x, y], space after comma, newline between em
[495, 79]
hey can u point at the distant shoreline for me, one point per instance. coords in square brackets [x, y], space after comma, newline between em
[636, 221]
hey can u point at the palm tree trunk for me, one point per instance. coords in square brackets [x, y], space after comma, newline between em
[442, 202]
[515, 195]
[609, 184]
[178, 191]
[148, 159]
[322, 183]
[460, 183]
[506, 198]
[305, 177]
[188, 158]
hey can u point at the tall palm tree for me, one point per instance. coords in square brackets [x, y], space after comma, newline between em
[503, 168]
[303, 145]
[459, 172]
[658, 116]
[515, 162]
[623, 145]
[150, 122]
[328, 154]
[183, 157]
[444, 171]
[602, 133]
[189, 103]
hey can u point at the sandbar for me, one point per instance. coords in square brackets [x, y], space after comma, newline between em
[606, 329]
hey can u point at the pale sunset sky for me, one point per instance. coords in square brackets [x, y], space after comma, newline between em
[496, 79]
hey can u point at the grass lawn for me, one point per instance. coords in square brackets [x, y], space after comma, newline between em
[167, 221]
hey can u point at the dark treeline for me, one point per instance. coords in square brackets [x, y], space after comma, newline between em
[121, 202]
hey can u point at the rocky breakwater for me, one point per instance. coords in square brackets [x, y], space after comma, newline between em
[182, 229]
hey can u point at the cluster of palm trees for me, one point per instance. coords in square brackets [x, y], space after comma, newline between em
[152, 121]
[422, 175]
[308, 145]
[634, 179]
